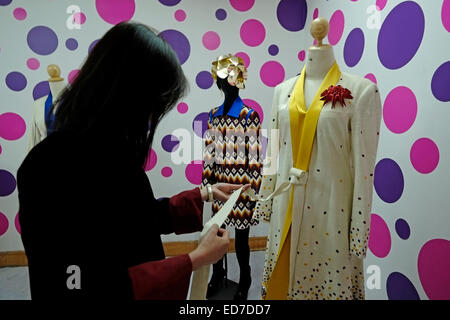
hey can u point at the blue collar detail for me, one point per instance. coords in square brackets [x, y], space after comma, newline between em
[234, 111]
[49, 117]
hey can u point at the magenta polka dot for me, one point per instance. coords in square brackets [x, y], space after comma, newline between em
[302, 55]
[380, 236]
[255, 106]
[400, 109]
[166, 172]
[433, 266]
[424, 155]
[180, 15]
[337, 23]
[12, 126]
[211, 40]
[194, 171]
[17, 224]
[33, 63]
[4, 224]
[182, 107]
[445, 14]
[115, 11]
[151, 160]
[380, 4]
[72, 75]
[272, 73]
[1, 149]
[371, 77]
[244, 57]
[316, 13]
[79, 18]
[253, 32]
[20, 13]
[242, 5]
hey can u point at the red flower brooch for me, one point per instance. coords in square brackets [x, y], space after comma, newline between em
[334, 94]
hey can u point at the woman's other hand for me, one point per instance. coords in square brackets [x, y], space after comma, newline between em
[223, 191]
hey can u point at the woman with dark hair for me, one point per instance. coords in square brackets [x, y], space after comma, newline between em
[90, 224]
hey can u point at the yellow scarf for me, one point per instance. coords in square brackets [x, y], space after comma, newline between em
[303, 130]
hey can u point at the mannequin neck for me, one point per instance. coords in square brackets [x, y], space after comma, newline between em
[319, 61]
[56, 87]
[231, 93]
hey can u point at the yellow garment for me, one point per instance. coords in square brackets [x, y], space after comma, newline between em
[303, 130]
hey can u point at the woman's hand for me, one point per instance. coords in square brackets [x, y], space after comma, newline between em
[211, 248]
[222, 191]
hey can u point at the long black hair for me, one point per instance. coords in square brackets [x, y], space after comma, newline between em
[129, 81]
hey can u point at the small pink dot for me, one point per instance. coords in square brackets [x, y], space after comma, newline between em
[371, 77]
[180, 15]
[166, 172]
[72, 75]
[244, 57]
[301, 55]
[242, 5]
[17, 223]
[0, 149]
[33, 63]
[151, 160]
[79, 18]
[182, 107]
[316, 13]
[20, 13]
[381, 4]
[211, 40]
[4, 224]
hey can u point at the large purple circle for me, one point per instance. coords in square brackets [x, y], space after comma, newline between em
[179, 43]
[170, 143]
[200, 124]
[170, 3]
[16, 81]
[388, 181]
[292, 14]
[40, 90]
[440, 85]
[42, 40]
[402, 229]
[204, 80]
[354, 47]
[7, 183]
[401, 35]
[5, 2]
[399, 287]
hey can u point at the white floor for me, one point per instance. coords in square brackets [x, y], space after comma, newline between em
[14, 283]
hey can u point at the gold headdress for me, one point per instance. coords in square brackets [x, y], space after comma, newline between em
[231, 67]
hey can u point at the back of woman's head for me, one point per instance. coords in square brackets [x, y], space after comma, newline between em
[129, 81]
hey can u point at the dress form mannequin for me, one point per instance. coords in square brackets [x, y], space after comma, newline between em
[56, 83]
[319, 60]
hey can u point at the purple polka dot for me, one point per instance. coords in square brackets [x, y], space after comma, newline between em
[16, 81]
[221, 14]
[42, 40]
[92, 45]
[194, 171]
[273, 50]
[33, 64]
[152, 159]
[20, 13]
[179, 43]
[7, 183]
[115, 11]
[4, 224]
[354, 47]
[170, 143]
[244, 57]
[204, 80]
[182, 107]
[401, 35]
[337, 23]
[252, 32]
[440, 85]
[166, 172]
[40, 90]
[379, 237]
[17, 224]
[71, 44]
[12, 126]
[388, 181]
[399, 287]
[424, 155]
[5, 2]
[242, 5]
[272, 73]
[200, 124]
[169, 3]
[292, 14]
[400, 109]
[402, 229]
[445, 14]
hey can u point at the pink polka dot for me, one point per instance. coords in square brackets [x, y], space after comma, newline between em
[337, 23]
[400, 109]
[166, 172]
[211, 40]
[255, 106]
[380, 237]
[253, 32]
[151, 160]
[72, 75]
[316, 13]
[180, 15]
[79, 18]
[381, 4]
[371, 77]
[272, 73]
[194, 171]
[302, 55]
[244, 57]
[115, 11]
[20, 13]
[4, 224]
[33, 63]
[182, 107]
[1, 149]
[315, 42]
[12, 126]
[424, 155]
[242, 5]
[445, 14]
[433, 266]
[17, 223]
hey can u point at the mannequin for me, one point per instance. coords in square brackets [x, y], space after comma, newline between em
[38, 128]
[239, 165]
[320, 216]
